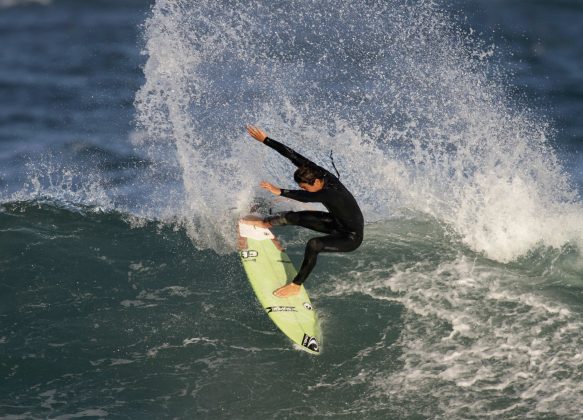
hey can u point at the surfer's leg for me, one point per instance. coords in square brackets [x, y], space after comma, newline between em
[330, 243]
[319, 221]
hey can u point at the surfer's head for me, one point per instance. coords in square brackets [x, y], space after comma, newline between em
[309, 178]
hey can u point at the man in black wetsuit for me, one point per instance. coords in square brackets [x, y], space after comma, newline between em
[343, 223]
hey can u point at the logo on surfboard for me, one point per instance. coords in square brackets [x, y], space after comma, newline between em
[249, 254]
[311, 343]
[280, 309]
[307, 306]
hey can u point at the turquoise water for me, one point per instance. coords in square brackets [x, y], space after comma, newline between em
[125, 165]
[104, 315]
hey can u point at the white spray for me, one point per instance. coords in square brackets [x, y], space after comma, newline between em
[413, 107]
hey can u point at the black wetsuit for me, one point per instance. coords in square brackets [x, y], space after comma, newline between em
[343, 223]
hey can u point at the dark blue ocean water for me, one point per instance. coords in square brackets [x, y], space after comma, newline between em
[124, 166]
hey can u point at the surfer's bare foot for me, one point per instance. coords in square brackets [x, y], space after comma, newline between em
[256, 221]
[291, 289]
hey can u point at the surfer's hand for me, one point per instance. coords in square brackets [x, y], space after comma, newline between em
[257, 133]
[271, 188]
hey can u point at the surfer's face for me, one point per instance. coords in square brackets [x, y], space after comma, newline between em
[315, 187]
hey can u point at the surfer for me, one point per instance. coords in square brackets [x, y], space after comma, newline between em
[343, 223]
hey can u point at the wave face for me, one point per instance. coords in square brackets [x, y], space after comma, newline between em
[416, 110]
[106, 313]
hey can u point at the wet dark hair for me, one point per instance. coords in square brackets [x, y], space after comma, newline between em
[308, 174]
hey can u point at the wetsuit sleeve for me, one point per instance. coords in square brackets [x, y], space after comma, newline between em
[303, 196]
[289, 153]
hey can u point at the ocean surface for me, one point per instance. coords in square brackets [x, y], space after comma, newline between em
[124, 165]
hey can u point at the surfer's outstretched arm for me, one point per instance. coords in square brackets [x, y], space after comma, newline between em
[289, 153]
[282, 149]
[303, 196]
[298, 195]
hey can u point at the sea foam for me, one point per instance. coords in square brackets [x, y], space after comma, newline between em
[415, 107]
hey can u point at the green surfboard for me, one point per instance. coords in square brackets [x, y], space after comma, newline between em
[268, 267]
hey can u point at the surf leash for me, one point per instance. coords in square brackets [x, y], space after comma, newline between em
[332, 160]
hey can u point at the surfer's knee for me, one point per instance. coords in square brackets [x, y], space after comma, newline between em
[315, 245]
